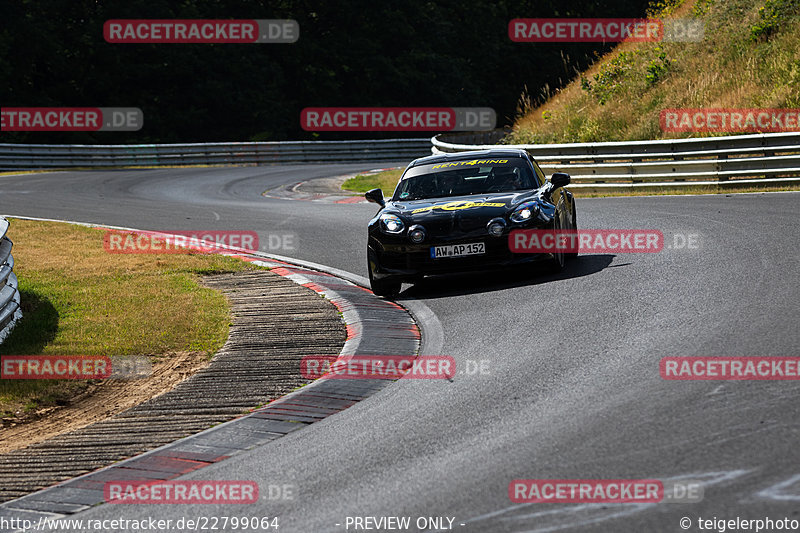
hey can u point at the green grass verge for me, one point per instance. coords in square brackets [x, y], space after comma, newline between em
[77, 299]
[386, 180]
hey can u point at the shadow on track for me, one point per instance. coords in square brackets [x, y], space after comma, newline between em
[508, 278]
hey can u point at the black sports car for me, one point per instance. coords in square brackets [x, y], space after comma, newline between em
[454, 212]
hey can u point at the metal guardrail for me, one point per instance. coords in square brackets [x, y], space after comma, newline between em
[671, 162]
[35, 156]
[709, 160]
[474, 137]
[9, 287]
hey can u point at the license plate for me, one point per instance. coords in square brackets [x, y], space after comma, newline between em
[458, 250]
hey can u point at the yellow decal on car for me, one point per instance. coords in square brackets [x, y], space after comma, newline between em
[473, 162]
[457, 205]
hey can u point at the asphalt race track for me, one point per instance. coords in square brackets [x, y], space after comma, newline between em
[572, 388]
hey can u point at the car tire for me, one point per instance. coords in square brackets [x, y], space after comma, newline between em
[573, 255]
[559, 259]
[387, 288]
[382, 287]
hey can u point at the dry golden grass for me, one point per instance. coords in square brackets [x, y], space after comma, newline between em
[726, 69]
[78, 299]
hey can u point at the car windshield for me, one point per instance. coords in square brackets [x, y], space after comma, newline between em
[463, 178]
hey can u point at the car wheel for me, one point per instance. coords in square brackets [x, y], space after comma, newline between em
[382, 287]
[385, 287]
[573, 255]
[559, 258]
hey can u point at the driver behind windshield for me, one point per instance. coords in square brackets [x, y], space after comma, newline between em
[431, 186]
[448, 181]
[466, 181]
[505, 179]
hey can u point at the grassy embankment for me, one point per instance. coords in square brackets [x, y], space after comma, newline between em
[749, 58]
[77, 299]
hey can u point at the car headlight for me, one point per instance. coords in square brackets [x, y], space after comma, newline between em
[495, 227]
[525, 212]
[392, 224]
[416, 233]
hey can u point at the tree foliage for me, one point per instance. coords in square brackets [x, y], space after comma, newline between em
[354, 53]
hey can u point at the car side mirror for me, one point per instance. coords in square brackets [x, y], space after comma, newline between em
[559, 179]
[376, 197]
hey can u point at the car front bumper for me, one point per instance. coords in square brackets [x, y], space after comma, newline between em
[406, 261]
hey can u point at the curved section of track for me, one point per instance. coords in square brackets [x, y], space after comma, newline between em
[571, 387]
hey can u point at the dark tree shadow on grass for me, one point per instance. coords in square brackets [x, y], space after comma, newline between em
[36, 328]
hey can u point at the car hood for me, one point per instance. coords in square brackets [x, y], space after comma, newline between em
[482, 206]
[461, 215]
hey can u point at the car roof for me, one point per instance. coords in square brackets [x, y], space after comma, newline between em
[462, 156]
